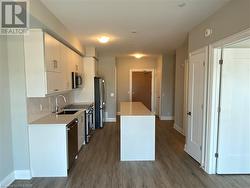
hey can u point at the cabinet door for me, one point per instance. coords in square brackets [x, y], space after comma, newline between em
[70, 66]
[65, 73]
[54, 82]
[52, 53]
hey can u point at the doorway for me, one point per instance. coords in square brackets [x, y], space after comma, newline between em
[234, 117]
[141, 87]
[229, 106]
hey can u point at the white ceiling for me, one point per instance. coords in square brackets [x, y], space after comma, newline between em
[161, 25]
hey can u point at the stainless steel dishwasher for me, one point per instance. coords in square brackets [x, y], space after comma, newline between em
[72, 142]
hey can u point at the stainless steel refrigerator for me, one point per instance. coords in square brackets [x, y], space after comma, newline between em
[99, 101]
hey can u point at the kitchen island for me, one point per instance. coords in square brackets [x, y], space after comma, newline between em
[137, 132]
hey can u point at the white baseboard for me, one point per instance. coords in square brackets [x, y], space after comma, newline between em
[177, 128]
[166, 117]
[15, 175]
[7, 180]
[110, 120]
[22, 174]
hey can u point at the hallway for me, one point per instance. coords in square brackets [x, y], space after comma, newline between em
[98, 166]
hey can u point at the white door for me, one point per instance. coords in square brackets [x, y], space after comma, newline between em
[195, 105]
[234, 126]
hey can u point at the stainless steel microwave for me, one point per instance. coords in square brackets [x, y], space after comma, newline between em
[76, 80]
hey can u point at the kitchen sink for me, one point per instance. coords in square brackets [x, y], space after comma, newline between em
[64, 112]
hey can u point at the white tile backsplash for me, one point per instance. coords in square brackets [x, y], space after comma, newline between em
[40, 107]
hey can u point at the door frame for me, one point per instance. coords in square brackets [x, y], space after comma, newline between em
[153, 100]
[185, 105]
[213, 97]
[204, 125]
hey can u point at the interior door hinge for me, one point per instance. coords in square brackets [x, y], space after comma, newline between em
[221, 62]
[201, 148]
[204, 63]
[216, 155]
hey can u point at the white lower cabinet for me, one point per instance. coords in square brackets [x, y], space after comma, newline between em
[48, 150]
[81, 130]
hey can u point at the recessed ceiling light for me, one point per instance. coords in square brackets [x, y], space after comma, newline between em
[138, 55]
[103, 39]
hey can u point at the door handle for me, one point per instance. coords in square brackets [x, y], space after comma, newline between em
[189, 113]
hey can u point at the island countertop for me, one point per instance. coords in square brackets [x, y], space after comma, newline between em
[134, 109]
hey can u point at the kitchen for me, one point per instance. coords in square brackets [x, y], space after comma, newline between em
[69, 125]
[59, 71]
[103, 101]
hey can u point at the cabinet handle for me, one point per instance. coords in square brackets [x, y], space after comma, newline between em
[55, 89]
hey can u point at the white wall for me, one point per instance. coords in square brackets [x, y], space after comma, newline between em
[6, 156]
[229, 20]
[167, 91]
[107, 70]
[181, 56]
[18, 103]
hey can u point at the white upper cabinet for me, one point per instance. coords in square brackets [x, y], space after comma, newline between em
[48, 64]
[52, 53]
[65, 67]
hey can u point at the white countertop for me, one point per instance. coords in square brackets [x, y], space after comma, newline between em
[134, 109]
[56, 119]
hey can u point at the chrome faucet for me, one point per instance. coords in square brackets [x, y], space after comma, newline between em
[57, 105]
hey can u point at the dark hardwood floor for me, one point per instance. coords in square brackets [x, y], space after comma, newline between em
[98, 166]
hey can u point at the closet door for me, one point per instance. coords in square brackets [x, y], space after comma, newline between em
[196, 99]
[234, 119]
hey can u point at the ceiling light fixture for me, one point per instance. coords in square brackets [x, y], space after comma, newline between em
[138, 56]
[103, 39]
